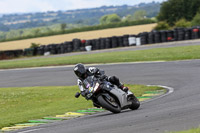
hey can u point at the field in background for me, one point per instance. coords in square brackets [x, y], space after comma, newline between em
[21, 44]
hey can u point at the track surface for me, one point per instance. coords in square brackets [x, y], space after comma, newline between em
[177, 111]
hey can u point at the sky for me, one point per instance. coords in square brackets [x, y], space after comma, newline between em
[27, 6]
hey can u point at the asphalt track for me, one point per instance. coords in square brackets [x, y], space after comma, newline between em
[178, 111]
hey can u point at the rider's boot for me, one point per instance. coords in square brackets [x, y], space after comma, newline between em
[124, 88]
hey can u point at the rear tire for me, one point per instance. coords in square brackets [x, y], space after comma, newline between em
[115, 108]
[135, 103]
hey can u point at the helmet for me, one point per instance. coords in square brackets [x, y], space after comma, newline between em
[80, 70]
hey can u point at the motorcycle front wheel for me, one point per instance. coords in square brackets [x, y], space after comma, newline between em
[135, 103]
[109, 104]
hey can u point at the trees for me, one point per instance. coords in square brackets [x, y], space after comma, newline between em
[182, 23]
[162, 26]
[173, 10]
[3, 28]
[196, 20]
[63, 27]
[139, 15]
[111, 18]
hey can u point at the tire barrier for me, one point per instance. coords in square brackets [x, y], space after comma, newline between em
[188, 34]
[102, 43]
[132, 40]
[163, 35]
[181, 34]
[144, 38]
[10, 54]
[108, 43]
[151, 38]
[125, 40]
[196, 32]
[120, 41]
[157, 37]
[178, 34]
[114, 42]
[76, 44]
[170, 35]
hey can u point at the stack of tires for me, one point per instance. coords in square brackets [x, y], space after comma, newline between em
[108, 43]
[114, 42]
[120, 41]
[188, 33]
[180, 34]
[18, 52]
[92, 43]
[2, 55]
[144, 38]
[150, 38]
[58, 48]
[40, 50]
[102, 43]
[163, 35]
[53, 49]
[9, 54]
[87, 46]
[63, 48]
[96, 44]
[132, 40]
[69, 46]
[28, 52]
[195, 32]
[170, 35]
[76, 44]
[125, 40]
[157, 37]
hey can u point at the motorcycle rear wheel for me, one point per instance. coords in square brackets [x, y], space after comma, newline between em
[112, 106]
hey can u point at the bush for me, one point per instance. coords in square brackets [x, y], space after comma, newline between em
[196, 20]
[34, 45]
[182, 23]
[162, 26]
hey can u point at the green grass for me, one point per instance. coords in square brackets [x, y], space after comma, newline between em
[193, 130]
[22, 104]
[157, 54]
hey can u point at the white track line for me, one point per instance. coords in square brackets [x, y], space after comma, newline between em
[170, 90]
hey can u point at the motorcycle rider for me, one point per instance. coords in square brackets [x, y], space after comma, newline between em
[82, 73]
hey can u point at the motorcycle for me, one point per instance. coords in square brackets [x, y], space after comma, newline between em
[109, 96]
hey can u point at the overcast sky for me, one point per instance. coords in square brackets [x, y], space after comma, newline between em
[24, 6]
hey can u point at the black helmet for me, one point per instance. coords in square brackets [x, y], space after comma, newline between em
[80, 70]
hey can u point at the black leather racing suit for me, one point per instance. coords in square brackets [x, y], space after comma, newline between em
[93, 71]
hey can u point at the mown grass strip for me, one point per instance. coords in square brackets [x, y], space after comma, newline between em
[18, 105]
[157, 54]
[193, 130]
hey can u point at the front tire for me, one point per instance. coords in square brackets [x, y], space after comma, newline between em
[112, 106]
[135, 103]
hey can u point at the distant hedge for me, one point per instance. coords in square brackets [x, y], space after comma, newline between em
[87, 28]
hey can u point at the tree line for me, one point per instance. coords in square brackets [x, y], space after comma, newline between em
[178, 13]
[106, 21]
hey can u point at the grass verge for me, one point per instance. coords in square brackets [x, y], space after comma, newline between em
[157, 54]
[25, 103]
[193, 130]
